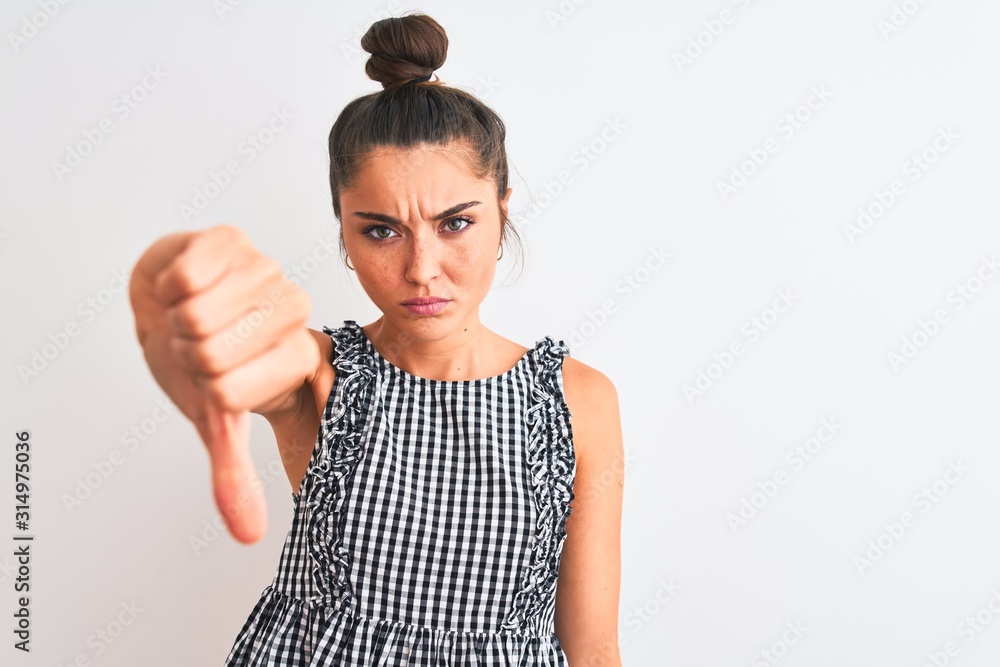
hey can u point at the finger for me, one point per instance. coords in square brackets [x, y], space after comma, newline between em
[277, 371]
[256, 330]
[200, 262]
[145, 306]
[254, 280]
[158, 255]
[237, 490]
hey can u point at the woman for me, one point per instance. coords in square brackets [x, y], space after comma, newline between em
[440, 490]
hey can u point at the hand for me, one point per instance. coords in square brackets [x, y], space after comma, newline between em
[224, 334]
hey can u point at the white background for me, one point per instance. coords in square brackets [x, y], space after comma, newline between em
[698, 588]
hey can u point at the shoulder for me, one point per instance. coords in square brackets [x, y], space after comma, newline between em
[329, 338]
[325, 344]
[322, 381]
[585, 387]
[592, 400]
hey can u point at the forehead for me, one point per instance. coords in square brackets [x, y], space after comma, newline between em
[429, 170]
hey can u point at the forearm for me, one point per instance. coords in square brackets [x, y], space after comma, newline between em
[598, 654]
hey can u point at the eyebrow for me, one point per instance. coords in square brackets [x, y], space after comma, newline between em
[381, 217]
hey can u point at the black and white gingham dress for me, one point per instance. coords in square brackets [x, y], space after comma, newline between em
[430, 523]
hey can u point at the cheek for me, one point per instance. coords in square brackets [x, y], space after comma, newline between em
[481, 266]
[474, 260]
[377, 273]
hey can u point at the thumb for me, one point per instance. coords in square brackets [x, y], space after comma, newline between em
[238, 493]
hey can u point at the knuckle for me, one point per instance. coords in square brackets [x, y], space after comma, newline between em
[221, 392]
[229, 231]
[269, 266]
[187, 276]
[177, 350]
[205, 357]
[194, 357]
[186, 318]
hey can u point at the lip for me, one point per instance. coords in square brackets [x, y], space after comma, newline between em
[426, 305]
[423, 301]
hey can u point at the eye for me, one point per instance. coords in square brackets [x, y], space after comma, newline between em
[374, 228]
[450, 226]
[467, 222]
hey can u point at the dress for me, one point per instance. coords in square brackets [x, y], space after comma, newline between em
[429, 527]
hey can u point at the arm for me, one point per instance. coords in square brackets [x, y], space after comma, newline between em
[297, 426]
[586, 613]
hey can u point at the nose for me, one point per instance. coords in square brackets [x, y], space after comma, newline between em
[423, 263]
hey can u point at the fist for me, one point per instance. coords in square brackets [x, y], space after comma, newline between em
[224, 334]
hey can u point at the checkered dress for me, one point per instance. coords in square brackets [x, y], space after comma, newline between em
[430, 524]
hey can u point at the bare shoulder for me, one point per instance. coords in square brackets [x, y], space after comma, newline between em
[322, 381]
[592, 400]
[587, 390]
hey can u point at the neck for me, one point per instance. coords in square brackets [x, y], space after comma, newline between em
[435, 352]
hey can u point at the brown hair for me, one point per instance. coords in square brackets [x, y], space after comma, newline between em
[405, 114]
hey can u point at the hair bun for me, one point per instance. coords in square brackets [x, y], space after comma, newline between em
[404, 48]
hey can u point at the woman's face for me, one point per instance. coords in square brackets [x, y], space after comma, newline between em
[417, 223]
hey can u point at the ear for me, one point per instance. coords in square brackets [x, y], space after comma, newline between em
[506, 201]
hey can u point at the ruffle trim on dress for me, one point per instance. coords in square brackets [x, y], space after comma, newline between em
[331, 472]
[286, 631]
[552, 463]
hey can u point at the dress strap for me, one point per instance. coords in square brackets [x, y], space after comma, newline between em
[552, 464]
[342, 434]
